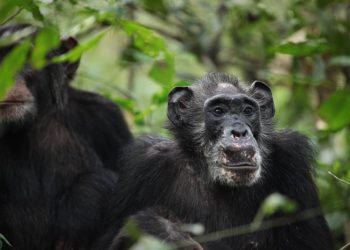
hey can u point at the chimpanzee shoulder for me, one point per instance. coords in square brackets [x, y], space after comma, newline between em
[291, 151]
[291, 167]
[109, 131]
[150, 155]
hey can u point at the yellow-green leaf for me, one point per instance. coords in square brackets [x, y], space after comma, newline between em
[11, 64]
[336, 110]
[47, 39]
[74, 54]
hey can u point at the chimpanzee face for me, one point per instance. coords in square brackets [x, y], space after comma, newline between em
[19, 104]
[232, 123]
[227, 121]
[34, 91]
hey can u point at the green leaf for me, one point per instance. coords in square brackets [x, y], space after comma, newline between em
[182, 83]
[336, 110]
[152, 45]
[33, 8]
[46, 40]
[83, 26]
[144, 39]
[3, 239]
[160, 97]
[306, 48]
[125, 103]
[148, 242]
[75, 54]
[277, 202]
[163, 70]
[132, 230]
[273, 203]
[141, 115]
[196, 229]
[8, 6]
[12, 63]
[155, 6]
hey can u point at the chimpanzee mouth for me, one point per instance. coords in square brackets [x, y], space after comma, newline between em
[239, 158]
[236, 165]
[240, 166]
[18, 104]
[18, 95]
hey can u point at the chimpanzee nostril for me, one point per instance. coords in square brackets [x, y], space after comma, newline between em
[239, 133]
[235, 134]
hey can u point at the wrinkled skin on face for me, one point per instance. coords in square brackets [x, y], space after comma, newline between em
[223, 122]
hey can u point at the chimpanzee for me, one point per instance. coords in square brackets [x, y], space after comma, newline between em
[225, 160]
[98, 120]
[55, 176]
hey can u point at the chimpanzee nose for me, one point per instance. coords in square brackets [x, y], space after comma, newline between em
[239, 131]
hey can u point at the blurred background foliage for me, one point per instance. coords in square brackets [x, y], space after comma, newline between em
[134, 52]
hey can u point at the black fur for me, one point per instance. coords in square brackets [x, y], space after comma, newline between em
[56, 151]
[173, 175]
[152, 222]
[100, 123]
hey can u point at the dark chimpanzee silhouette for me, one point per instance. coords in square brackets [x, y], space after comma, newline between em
[225, 160]
[56, 151]
[98, 120]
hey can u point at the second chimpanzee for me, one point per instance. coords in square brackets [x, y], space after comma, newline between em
[54, 176]
[225, 160]
[98, 120]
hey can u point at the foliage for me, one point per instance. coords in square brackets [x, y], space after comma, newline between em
[134, 52]
[11, 64]
[3, 240]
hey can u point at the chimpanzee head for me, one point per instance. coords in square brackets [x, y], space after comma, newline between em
[225, 124]
[34, 92]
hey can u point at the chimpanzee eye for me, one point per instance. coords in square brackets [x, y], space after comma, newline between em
[248, 111]
[218, 111]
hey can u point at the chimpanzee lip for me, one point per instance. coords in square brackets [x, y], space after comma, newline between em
[240, 166]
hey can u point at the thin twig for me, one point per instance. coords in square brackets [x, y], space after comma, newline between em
[336, 177]
[13, 16]
[268, 224]
[345, 247]
[254, 227]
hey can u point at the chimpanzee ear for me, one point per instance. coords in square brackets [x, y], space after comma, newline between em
[262, 93]
[178, 100]
[66, 45]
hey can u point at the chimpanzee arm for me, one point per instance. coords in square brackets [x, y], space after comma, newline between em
[150, 222]
[80, 208]
[145, 179]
